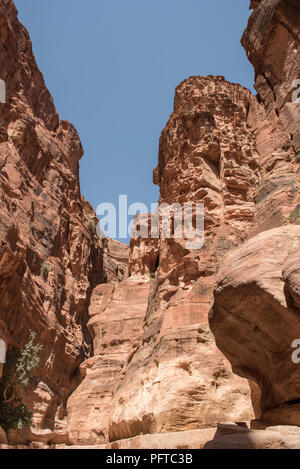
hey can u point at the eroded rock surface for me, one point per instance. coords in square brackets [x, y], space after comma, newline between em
[258, 284]
[272, 44]
[139, 368]
[116, 318]
[177, 380]
[255, 324]
[50, 256]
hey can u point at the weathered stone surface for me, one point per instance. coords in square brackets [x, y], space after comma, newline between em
[254, 4]
[144, 250]
[272, 44]
[231, 436]
[50, 256]
[177, 380]
[227, 435]
[254, 324]
[3, 438]
[142, 361]
[173, 349]
[258, 285]
[207, 152]
[116, 256]
[46, 437]
[271, 41]
[193, 439]
[184, 384]
[291, 276]
[116, 318]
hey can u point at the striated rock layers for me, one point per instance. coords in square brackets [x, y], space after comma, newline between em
[255, 319]
[50, 256]
[116, 319]
[255, 316]
[271, 41]
[128, 358]
[173, 378]
[238, 154]
[177, 380]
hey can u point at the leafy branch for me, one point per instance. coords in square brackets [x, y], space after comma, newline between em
[16, 379]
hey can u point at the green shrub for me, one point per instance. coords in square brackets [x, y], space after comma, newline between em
[91, 226]
[32, 227]
[297, 157]
[295, 216]
[15, 380]
[152, 277]
[12, 417]
[45, 270]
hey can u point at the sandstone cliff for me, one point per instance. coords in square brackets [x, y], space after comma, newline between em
[237, 154]
[129, 360]
[255, 316]
[50, 256]
[177, 380]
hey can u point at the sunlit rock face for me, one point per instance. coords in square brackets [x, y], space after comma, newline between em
[116, 318]
[50, 257]
[271, 41]
[177, 380]
[255, 319]
[207, 155]
[255, 315]
[144, 249]
[128, 358]
[174, 378]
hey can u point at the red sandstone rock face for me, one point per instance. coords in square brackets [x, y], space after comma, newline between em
[144, 250]
[254, 4]
[50, 257]
[207, 152]
[148, 362]
[207, 155]
[255, 322]
[291, 276]
[115, 261]
[177, 380]
[256, 300]
[271, 41]
[116, 318]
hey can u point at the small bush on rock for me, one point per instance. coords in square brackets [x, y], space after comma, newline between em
[91, 226]
[295, 217]
[32, 227]
[45, 270]
[16, 378]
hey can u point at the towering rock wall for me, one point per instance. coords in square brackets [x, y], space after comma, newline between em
[271, 41]
[255, 316]
[127, 350]
[116, 318]
[50, 256]
[238, 154]
[177, 380]
[173, 378]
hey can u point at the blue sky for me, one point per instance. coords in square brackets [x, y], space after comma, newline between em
[112, 67]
